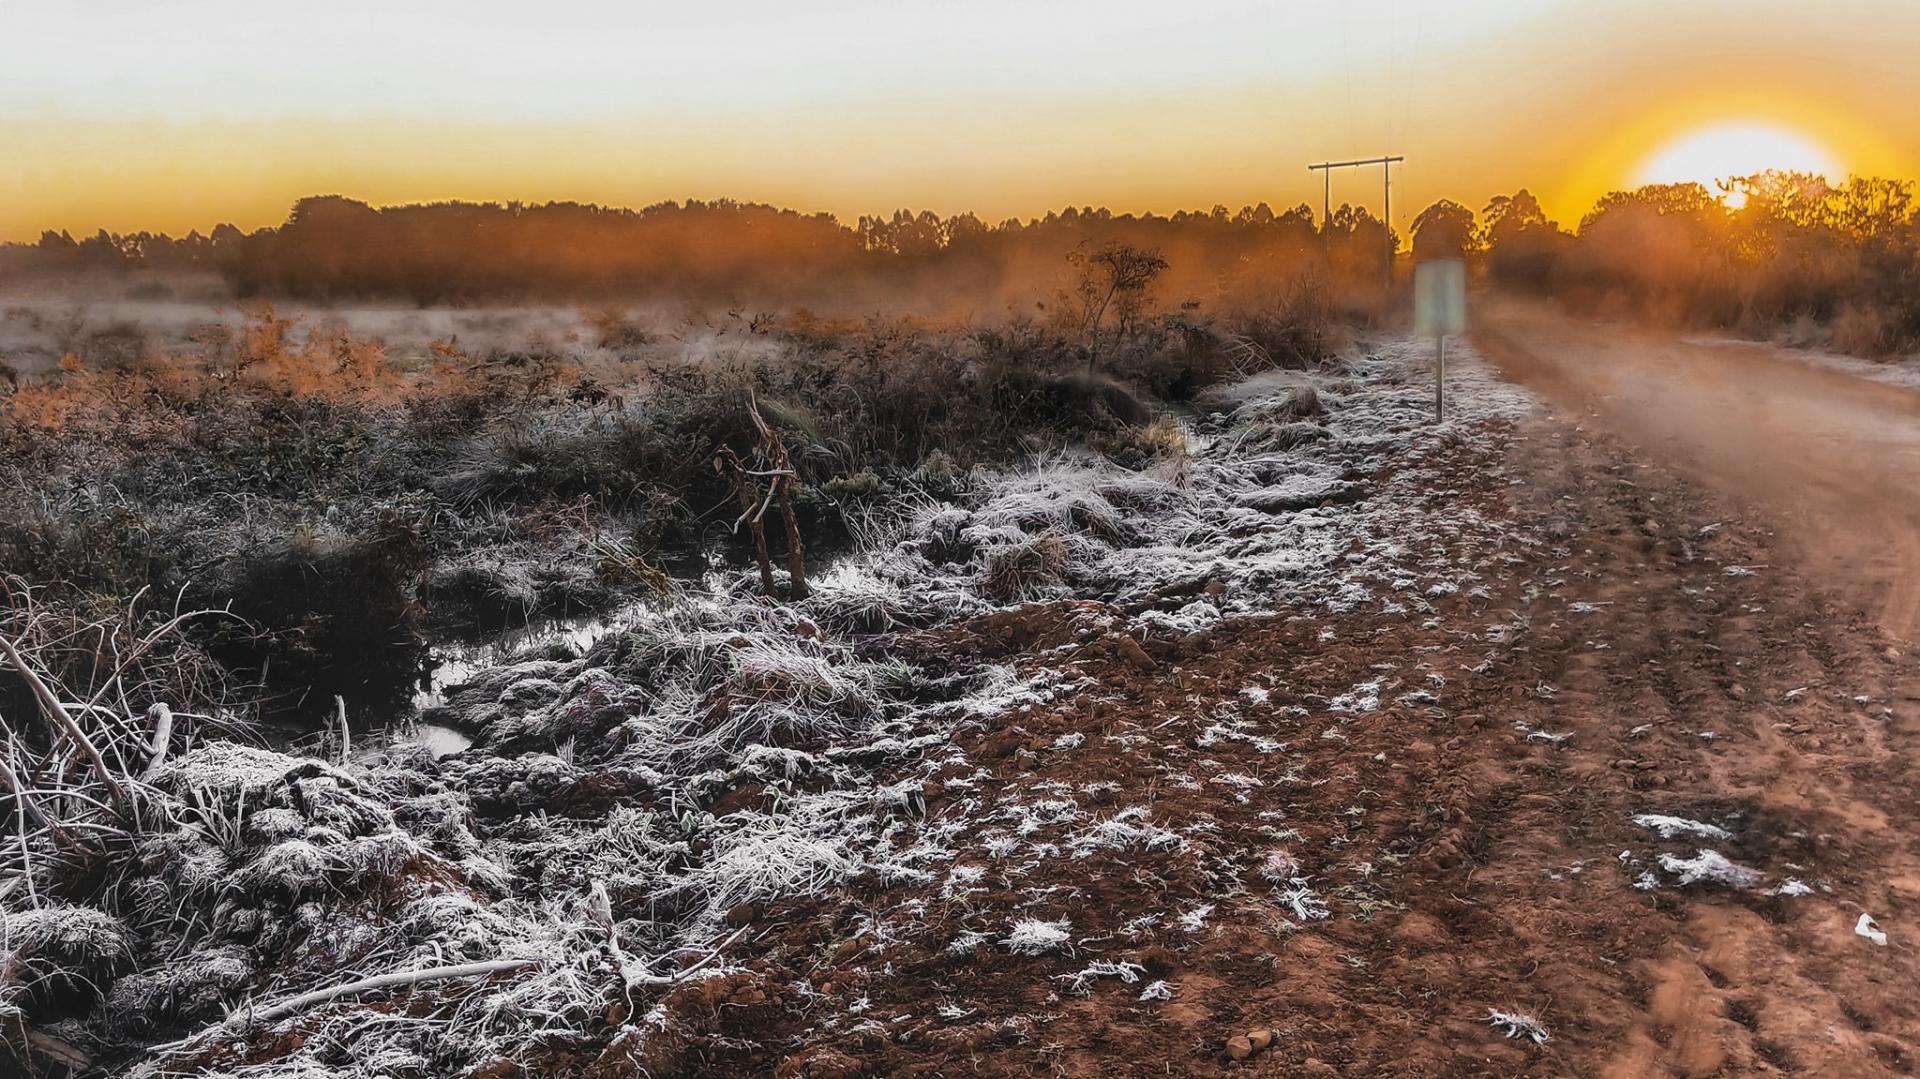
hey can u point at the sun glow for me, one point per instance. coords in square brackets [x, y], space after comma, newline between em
[1739, 148]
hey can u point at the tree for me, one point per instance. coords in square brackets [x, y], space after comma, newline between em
[1508, 216]
[1356, 242]
[1662, 248]
[1444, 230]
[1522, 244]
[1115, 277]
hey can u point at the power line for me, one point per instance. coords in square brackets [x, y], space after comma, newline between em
[1413, 73]
[1346, 57]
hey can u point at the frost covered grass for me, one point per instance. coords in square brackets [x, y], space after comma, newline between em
[1668, 827]
[1239, 525]
[621, 811]
[1080, 983]
[1032, 936]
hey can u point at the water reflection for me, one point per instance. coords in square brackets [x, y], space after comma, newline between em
[450, 664]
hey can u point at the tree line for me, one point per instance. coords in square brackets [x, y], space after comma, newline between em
[1768, 249]
[331, 247]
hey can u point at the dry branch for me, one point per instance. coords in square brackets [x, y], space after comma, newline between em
[780, 466]
[162, 738]
[57, 715]
[748, 492]
[394, 980]
[340, 714]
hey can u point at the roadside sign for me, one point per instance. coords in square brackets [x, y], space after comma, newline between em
[1440, 298]
[1440, 310]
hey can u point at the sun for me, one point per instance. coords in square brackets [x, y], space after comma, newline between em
[1735, 148]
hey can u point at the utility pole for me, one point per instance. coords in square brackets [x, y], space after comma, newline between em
[1386, 163]
[1326, 219]
[1386, 222]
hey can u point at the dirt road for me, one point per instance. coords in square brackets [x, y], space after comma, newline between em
[1832, 459]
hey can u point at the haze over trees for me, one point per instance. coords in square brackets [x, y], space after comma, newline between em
[332, 247]
[1782, 248]
[1775, 248]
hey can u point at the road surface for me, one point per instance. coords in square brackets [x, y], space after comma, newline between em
[1832, 459]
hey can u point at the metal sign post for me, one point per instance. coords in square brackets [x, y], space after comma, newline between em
[1440, 309]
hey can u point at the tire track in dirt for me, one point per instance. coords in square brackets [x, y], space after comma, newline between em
[1805, 990]
[1731, 982]
[1833, 458]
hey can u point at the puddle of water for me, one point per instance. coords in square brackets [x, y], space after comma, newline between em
[1189, 418]
[438, 740]
[450, 664]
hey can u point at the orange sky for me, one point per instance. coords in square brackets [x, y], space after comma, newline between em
[129, 114]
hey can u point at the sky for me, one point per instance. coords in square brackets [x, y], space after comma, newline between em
[169, 115]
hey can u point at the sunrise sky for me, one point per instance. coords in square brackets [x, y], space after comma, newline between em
[131, 114]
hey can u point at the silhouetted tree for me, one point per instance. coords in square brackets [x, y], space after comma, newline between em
[1795, 247]
[1444, 230]
[1521, 243]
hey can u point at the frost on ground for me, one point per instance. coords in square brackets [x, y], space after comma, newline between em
[1709, 867]
[623, 818]
[1518, 1025]
[1669, 827]
[1032, 936]
[1236, 528]
[1691, 865]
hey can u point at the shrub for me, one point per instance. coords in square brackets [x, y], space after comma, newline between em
[1026, 569]
[1866, 331]
[59, 959]
[1138, 447]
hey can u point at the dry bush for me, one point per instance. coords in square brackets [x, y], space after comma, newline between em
[1140, 446]
[1026, 569]
[615, 328]
[121, 657]
[1866, 331]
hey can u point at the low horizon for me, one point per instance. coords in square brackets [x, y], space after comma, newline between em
[1717, 188]
[859, 107]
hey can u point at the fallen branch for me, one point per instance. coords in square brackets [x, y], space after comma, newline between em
[340, 710]
[392, 981]
[646, 977]
[56, 1051]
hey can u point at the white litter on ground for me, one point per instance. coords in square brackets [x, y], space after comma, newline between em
[1517, 1025]
[1870, 929]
